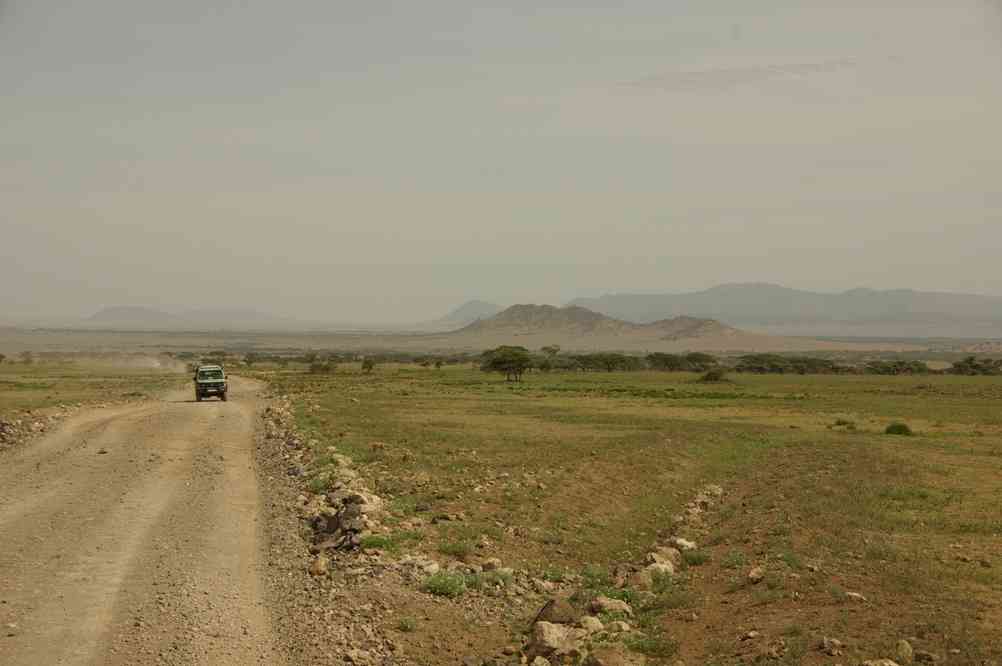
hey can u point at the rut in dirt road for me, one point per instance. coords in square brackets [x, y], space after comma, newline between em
[131, 536]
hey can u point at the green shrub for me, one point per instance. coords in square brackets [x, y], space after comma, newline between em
[406, 625]
[695, 558]
[319, 484]
[444, 584]
[899, 428]
[458, 549]
[714, 375]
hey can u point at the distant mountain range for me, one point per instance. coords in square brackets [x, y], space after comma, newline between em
[784, 311]
[751, 307]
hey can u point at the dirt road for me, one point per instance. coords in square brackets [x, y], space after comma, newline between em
[132, 536]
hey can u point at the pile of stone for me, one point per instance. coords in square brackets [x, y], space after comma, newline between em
[341, 517]
[564, 633]
[18, 429]
[345, 518]
[666, 558]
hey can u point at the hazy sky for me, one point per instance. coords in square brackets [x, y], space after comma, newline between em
[384, 161]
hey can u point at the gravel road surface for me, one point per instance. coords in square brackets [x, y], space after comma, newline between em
[133, 535]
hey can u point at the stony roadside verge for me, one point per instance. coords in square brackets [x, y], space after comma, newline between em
[19, 428]
[351, 592]
[350, 597]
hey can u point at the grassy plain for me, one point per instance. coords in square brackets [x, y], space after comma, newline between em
[43, 385]
[574, 473]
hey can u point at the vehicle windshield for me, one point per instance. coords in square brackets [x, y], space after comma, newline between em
[210, 374]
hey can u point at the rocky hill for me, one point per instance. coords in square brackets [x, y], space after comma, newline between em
[578, 328]
[547, 318]
[577, 321]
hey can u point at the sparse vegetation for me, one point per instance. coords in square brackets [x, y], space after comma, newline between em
[406, 625]
[524, 456]
[898, 428]
[695, 558]
[445, 584]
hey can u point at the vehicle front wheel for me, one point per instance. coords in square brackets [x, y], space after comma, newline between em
[223, 397]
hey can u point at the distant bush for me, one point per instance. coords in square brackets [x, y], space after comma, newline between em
[323, 367]
[899, 428]
[667, 362]
[777, 364]
[608, 362]
[714, 376]
[972, 366]
[368, 364]
[700, 362]
[896, 368]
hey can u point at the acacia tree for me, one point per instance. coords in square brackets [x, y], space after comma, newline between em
[512, 361]
[368, 364]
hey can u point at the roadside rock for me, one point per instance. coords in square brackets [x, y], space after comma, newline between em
[905, 653]
[320, 566]
[491, 564]
[880, 662]
[558, 611]
[554, 640]
[683, 544]
[591, 624]
[831, 646]
[619, 627]
[664, 555]
[756, 575]
[602, 604]
[661, 569]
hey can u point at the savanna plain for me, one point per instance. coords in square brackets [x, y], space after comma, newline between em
[787, 524]
[832, 541]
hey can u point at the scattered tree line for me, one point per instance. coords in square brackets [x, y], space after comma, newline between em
[514, 361]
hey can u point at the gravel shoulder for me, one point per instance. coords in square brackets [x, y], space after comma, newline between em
[133, 535]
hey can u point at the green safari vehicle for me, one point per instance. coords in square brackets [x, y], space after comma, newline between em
[210, 380]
